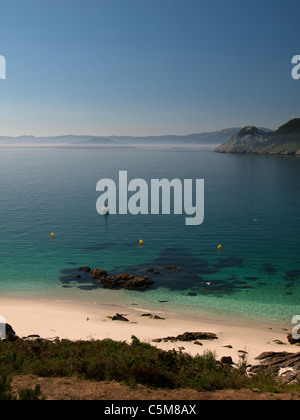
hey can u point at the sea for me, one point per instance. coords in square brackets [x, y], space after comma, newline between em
[251, 208]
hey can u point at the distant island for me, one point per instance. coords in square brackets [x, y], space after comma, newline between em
[284, 141]
[212, 139]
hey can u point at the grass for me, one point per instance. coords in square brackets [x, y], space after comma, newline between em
[130, 364]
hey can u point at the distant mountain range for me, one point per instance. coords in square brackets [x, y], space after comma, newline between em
[213, 139]
[286, 140]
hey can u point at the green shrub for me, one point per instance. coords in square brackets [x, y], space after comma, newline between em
[135, 363]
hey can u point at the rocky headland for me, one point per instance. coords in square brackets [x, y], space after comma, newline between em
[284, 141]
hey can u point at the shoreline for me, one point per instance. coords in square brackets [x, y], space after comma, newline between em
[86, 321]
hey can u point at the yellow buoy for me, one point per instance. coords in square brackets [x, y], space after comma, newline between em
[220, 247]
[52, 235]
[141, 242]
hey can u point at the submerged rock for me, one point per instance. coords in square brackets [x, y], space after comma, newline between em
[171, 268]
[85, 269]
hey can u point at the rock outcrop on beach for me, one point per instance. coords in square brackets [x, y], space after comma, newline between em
[285, 366]
[285, 141]
[119, 317]
[189, 336]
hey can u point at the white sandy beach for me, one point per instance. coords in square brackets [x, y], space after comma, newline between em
[84, 321]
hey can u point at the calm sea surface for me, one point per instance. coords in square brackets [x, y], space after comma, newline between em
[251, 208]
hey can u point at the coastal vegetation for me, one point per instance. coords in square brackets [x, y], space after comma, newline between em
[131, 364]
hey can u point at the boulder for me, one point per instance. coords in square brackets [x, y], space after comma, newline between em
[97, 273]
[226, 361]
[119, 317]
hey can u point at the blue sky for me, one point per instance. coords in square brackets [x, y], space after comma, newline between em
[147, 67]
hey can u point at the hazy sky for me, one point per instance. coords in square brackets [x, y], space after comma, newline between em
[146, 67]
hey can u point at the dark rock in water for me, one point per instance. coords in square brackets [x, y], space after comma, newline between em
[91, 279]
[285, 366]
[268, 268]
[125, 281]
[97, 273]
[293, 274]
[85, 269]
[119, 317]
[171, 268]
[230, 262]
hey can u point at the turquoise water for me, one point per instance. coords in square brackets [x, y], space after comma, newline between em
[251, 208]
